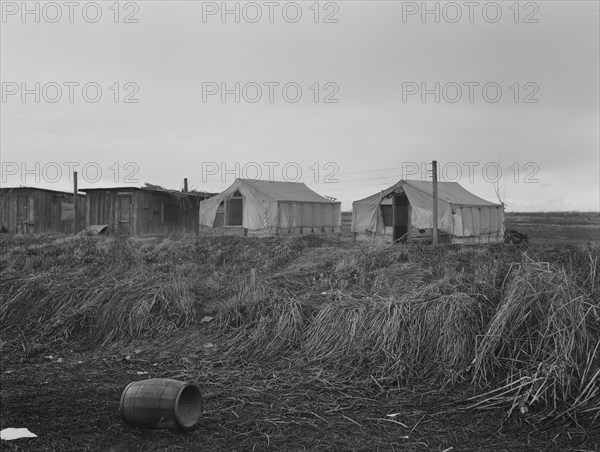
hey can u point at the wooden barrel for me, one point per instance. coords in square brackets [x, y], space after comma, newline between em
[161, 403]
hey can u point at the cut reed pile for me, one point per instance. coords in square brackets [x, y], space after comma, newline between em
[276, 328]
[541, 349]
[101, 310]
[525, 333]
[430, 337]
[364, 312]
[396, 339]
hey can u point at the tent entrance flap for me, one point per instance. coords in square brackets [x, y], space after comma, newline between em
[235, 211]
[400, 217]
[220, 216]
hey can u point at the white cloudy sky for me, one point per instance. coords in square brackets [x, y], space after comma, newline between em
[371, 54]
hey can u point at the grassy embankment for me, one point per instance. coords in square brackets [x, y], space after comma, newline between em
[522, 326]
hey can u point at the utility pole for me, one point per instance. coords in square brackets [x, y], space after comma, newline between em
[75, 204]
[435, 203]
[379, 210]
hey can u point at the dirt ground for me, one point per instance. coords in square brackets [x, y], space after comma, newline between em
[70, 400]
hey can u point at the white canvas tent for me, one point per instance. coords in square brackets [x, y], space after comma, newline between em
[271, 207]
[405, 210]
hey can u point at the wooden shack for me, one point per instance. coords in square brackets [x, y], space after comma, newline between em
[143, 210]
[29, 210]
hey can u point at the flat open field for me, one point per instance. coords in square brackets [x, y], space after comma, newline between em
[306, 343]
[556, 227]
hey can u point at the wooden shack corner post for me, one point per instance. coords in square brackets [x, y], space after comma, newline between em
[75, 203]
[435, 203]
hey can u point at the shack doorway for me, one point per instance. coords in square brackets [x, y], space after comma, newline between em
[124, 213]
[23, 214]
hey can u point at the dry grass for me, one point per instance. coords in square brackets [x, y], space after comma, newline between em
[523, 326]
[101, 311]
[525, 333]
[394, 339]
[541, 346]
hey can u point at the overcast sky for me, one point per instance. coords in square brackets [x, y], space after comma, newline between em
[348, 96]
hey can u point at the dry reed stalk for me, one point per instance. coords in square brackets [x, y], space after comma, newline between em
[542, 343]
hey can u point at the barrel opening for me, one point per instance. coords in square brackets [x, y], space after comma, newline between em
[188, 406]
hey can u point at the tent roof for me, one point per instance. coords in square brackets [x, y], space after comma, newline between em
[281, 191]
[451, 192]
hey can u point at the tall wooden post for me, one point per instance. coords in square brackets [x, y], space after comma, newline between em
[435, 203]
[185, 185]
[379, 210]
[75, 203]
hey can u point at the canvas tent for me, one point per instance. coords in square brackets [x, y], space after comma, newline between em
[271, 207]
[405, 211]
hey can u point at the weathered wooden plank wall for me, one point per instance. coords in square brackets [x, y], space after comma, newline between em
[31, 210]
[148, 211]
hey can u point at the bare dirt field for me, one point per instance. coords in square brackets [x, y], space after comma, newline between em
[556, 227]
[331, 345]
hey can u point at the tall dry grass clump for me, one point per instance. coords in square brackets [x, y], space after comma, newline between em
[397, 339]
[524, 332]
[379, 312]
[105, 290]
[100, 311]
[541, 348]
[92, 291]
[263, 321]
